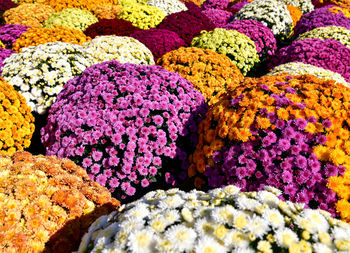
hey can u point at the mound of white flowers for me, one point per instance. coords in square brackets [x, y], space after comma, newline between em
[222, 220]
[39, 72]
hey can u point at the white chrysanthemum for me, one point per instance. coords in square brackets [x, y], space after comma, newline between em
[122, 49]
[223, 214]
[165, 246]
[244, 250]
[158, 224]
[204, 227]
[168, 6]
[285, 237]
[299, 68]
[246, 203]
[231, 190]
[171, 216]
[319, 222]
[236, 239]
[274, 217]
[240, 220]
[171, 202]
[321, 248]
[139, 211]
[258, 226]
[341, 233]
[207, 244]
[131, 224]
[141, 241]
[187, 215]
[268, 198]
[182, 237]
[42, 81]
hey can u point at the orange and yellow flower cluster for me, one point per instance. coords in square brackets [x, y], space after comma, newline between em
[106, 11]
[59, 5]
[211, 73]
[295, 13]
[47, 203]
[16, 120]
[33, 15]
[38, 36]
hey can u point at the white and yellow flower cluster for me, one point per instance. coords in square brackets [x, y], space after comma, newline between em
[39, 72]
[337, 33]
[120, 48]
[222, 220]
[299, 68]
[304, 6]
[168, 6]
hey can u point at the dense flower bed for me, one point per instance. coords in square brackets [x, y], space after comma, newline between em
[126, 125]
[16, 121]
[118, 27]
[10, 33]
[218, 17]
[122, 49]
[4, 53]
[72, 18]
[47, 203]
[277, 131]
[304, 5]
[44, 70]
[60, 5]
[235, 45]
[33, 15]
[328, 54]
[159, 41]
[211, 73]
[168, 6]
[222, 220]
[262, 36]
[38, 36]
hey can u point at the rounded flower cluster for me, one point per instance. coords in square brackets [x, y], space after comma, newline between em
[72, 18]
[295, 14]
[337, 33]
[10, 33]
[290, 133]
[122, 49]
[159, 41]
[299, 68]
[222, 220]
[4, 53]
[215, 4]
[142, 16]
[235, 45]
[33, 15]
[40, 72]
[328, 54]
[304, 6]
[119, 27]
[218, 17]
[47, 203]
[16, 120]
[326, 16]
[272, 13]
[210, 73]
[127, 125]
[5, 5]
[168, 6]
[60, 5]
[187, 24]
[262, 36]
[41, 35]
[106, 11]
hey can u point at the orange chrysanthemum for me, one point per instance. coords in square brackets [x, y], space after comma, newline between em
[295, 13]
[211, 73]
[47, 203]
[38, 36]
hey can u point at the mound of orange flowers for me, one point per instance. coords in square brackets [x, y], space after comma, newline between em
[37, 36]
[47, 203]
[237, 117]
[211, 73]
[295, 13]
[16, 120]
[59, 5]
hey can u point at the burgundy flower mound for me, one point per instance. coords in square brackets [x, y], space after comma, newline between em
[262, 36]
[215, 4]
[10, 33]
[319, 18]
[159, 41]
[187, 24]
[5, 5]
[118, 27]
[4, 53]
[126, 125]
[328, 54]
[218, 17]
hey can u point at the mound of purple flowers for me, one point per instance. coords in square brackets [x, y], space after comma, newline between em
[159, 41]
[4, 53]
[319, 18]
[218, 17]
[215, 4]
[10, 33]
[126, 125]
[262, 36]
[187, 24]
[282, 158]
[328, 54]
